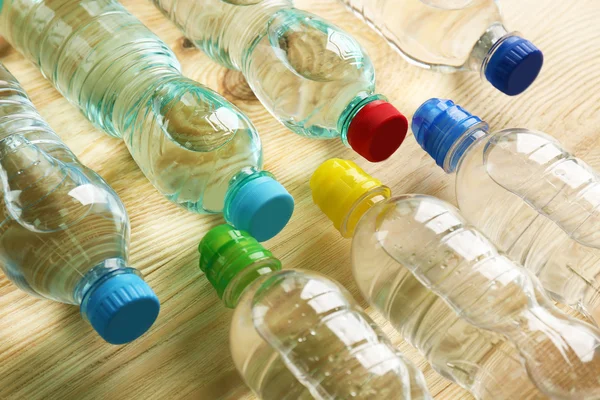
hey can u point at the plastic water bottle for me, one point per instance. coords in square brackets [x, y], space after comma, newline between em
[297, 334]
[450, 257]
[312, 76]
[533, 199]
[64, 234]
[455, 35]
[198, 149]
[483, 362]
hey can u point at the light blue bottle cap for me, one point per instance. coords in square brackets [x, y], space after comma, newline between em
[514, 65]
[262, 207]
[438, 124]
[122, 308]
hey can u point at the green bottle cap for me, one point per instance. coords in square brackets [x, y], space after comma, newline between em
[232, 260]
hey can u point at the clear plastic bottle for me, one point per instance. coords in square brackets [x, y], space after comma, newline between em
[312, 76]
[297, 334]
[196, 148]
[431, 239]
[64, 233]
[483, 362]
[455, 35]
[533, 199]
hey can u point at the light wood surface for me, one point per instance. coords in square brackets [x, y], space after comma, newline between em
[48, 352]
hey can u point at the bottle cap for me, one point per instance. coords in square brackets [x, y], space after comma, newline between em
[227, 253]
[377, 131]
[122, 308]
[344, 192]
[514, 65]
[261, 207]
[438, 124]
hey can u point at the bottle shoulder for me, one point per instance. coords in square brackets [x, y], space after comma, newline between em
[445, 42]
[535, 168]
[307, 71]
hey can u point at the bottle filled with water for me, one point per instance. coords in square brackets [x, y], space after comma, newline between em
[64, 234]
[297, 334]
[197, 148]
[311, 75]
[455, 35]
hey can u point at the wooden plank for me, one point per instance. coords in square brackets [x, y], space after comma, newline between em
[48, 352]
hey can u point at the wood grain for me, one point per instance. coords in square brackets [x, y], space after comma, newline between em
[48, 352]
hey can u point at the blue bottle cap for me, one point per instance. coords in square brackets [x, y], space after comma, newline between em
[262, 207]
[438, 124]
[514, 65]
[122, 308]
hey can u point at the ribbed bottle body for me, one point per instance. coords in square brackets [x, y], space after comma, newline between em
[298, 335]
[188, 141]
[59, 219]
[224, 30]
[19, 116]
[90, 50]
[438, 34]
[308, 73]
[486, 288]
[72, 222]
[483, 362]
[541, 209]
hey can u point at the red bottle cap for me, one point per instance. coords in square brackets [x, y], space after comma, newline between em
[377, 131]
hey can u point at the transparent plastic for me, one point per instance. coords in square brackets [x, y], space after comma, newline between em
[308, 73]
[541, 208]
[192, 144]
[298, 335]
[64, 230]
[483, 362]
[444, 35]
[450, 257]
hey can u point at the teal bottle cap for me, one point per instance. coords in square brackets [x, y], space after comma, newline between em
[261, 207]
[229, 255]
[122, 308]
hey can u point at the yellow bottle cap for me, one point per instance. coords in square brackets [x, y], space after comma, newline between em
[344, 192]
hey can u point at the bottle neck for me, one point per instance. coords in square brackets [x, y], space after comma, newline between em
[461, 146]
[247, 279]
[506, 60]
[236, 184]
[486, 45]
[361, 206]
[98, 275]
[352, 109]
[232, 260]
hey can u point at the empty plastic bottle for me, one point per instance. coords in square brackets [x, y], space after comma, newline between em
[297, 334]
[312, 76]
[64, 233]
[533, 199]
[198, 149]
[483, 362]
[455, 35]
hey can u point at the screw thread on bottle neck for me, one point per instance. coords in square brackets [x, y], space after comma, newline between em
[232, 260]
[484, 48]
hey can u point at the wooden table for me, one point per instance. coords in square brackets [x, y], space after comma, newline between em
[48, 352]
